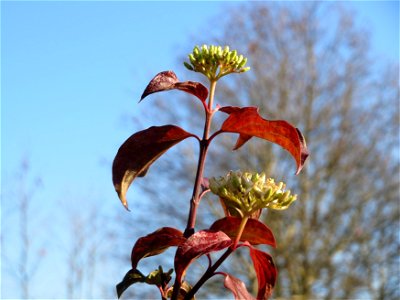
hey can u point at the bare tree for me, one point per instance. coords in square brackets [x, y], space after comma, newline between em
[312, 65]
[24, 264]
[88, 249]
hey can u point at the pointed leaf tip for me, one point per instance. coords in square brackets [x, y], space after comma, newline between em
[237, 287]
[304, 151]
[168, 80]
[133, 276]
[161, 82]
[265, 270]
[247, 122]
[139, 152]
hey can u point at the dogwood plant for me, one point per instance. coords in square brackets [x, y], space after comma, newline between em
[243, 195]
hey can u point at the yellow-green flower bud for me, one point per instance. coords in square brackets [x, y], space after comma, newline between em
[204, 50]
[215, 61]
[245, 194]
[242, 63]
[196, 52]
[226, 50]
[192, 58]
[239, 60]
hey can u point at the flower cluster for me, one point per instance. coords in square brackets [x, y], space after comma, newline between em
[245, 194]
[215, 61]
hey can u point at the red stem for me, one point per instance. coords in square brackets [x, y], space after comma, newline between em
[208, 274]
[204, 143]
[195, 200]
[211, 269]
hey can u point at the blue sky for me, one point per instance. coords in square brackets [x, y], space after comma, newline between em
[71, 70]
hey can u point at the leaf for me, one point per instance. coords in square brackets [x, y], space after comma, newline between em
[139, 151]
[255, 232]
[237, 287]
[200, 243]
[133, 276]
[167, 80]
[248, 123]
[265, 270]
[155, 243]
[158, 278]
[183, 291]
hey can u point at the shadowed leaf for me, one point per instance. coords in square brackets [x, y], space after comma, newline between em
[265, 270]
[200, 243]
[133, 276]
[158, 278]
[237, 287]
[248, 123]
[139, 151]
[156, 243]
[255, 231]
[167, 80]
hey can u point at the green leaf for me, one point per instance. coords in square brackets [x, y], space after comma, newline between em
[133, 276]
[158, 278]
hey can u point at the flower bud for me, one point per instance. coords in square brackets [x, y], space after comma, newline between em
[246, 194]
[196, 52]
[242, 63]
[215, 61]
[192, 58]
[188, 66]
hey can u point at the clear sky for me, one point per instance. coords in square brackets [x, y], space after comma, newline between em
[71, 70]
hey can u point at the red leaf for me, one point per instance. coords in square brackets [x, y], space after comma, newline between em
[139, 151]
[248, 123]
[156, 243]
[200, 243]
[265, 270]
[167, 80]
[255, 231]
[194, 88]
[237, 287]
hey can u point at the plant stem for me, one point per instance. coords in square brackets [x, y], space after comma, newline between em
[194, 201]
[204, 143]
[196, 190]
[211, 270]
[240, 231]
[207, 275]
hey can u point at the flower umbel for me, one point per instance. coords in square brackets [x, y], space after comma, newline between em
[215, 61]
[245, 194]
